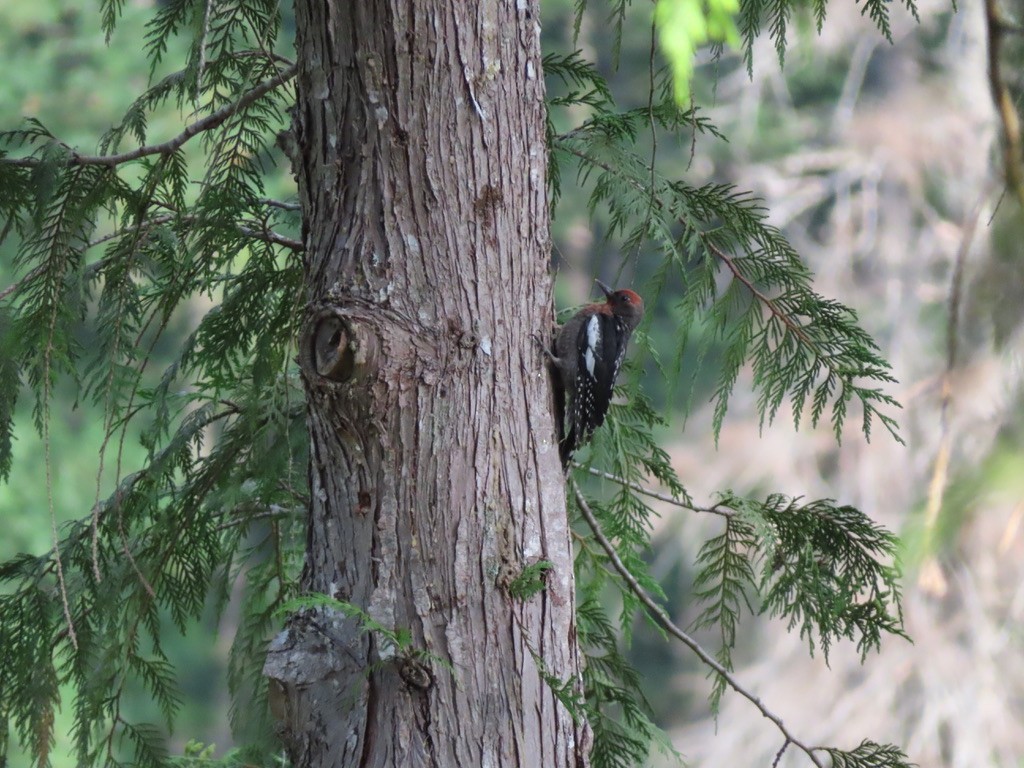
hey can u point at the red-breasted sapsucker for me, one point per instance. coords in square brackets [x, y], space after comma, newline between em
[589, 350]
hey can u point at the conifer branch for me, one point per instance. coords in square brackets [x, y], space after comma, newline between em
[271, 55]
[192, 130]
[283, 205]
[128, 484]
[55, 227]
[821, 363]
[662, 619]
[718, 252]
[32, 275]
[269, 236]
[201, 45]
[788, 321]
[264, 235]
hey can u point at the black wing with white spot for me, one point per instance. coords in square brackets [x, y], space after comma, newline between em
[601, 346]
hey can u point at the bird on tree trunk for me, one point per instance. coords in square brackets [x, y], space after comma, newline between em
[589, 350]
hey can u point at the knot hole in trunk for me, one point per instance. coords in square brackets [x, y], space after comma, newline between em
[337, 347]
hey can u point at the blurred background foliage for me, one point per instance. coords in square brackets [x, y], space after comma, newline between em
[881, 164]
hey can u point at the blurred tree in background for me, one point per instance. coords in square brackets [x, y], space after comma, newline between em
[875, 158]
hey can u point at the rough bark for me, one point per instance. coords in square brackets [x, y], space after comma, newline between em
[434, 475]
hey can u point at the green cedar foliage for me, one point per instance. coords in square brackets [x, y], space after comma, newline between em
[118, 252]
[113, 256]
[776, 15]
[818, 566]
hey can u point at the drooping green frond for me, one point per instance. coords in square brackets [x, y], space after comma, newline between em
[10, 382]
[829, 570]
[110, 12]
[616, 14]
[868, 754]
[819, 8]
[66, 206]
[724, 584]
[612, 689]
[169, 20]
[29, 689]
[825, 569]
[572, 82]
[878, 12]
[164, 535]
[777, 15]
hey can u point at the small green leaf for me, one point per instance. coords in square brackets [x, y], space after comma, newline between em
[530, 581]
[685, 25]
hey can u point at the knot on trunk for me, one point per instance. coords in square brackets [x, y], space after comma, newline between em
[337, 347]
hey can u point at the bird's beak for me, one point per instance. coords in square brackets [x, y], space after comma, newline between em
[607, 291]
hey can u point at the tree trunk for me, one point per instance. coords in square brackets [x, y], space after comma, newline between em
[434, 473]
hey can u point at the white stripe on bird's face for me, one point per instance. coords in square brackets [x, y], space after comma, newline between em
[593, 340]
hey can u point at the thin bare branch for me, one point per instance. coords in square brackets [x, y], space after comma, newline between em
[271, 203]
[269, 236]
[930, 576]
[273, 512]
[201, 66]
[662, 619]
[714, 510]
[264, 54]
[780, 753]
[26, 279]
[192, 130]
[1013, 153]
